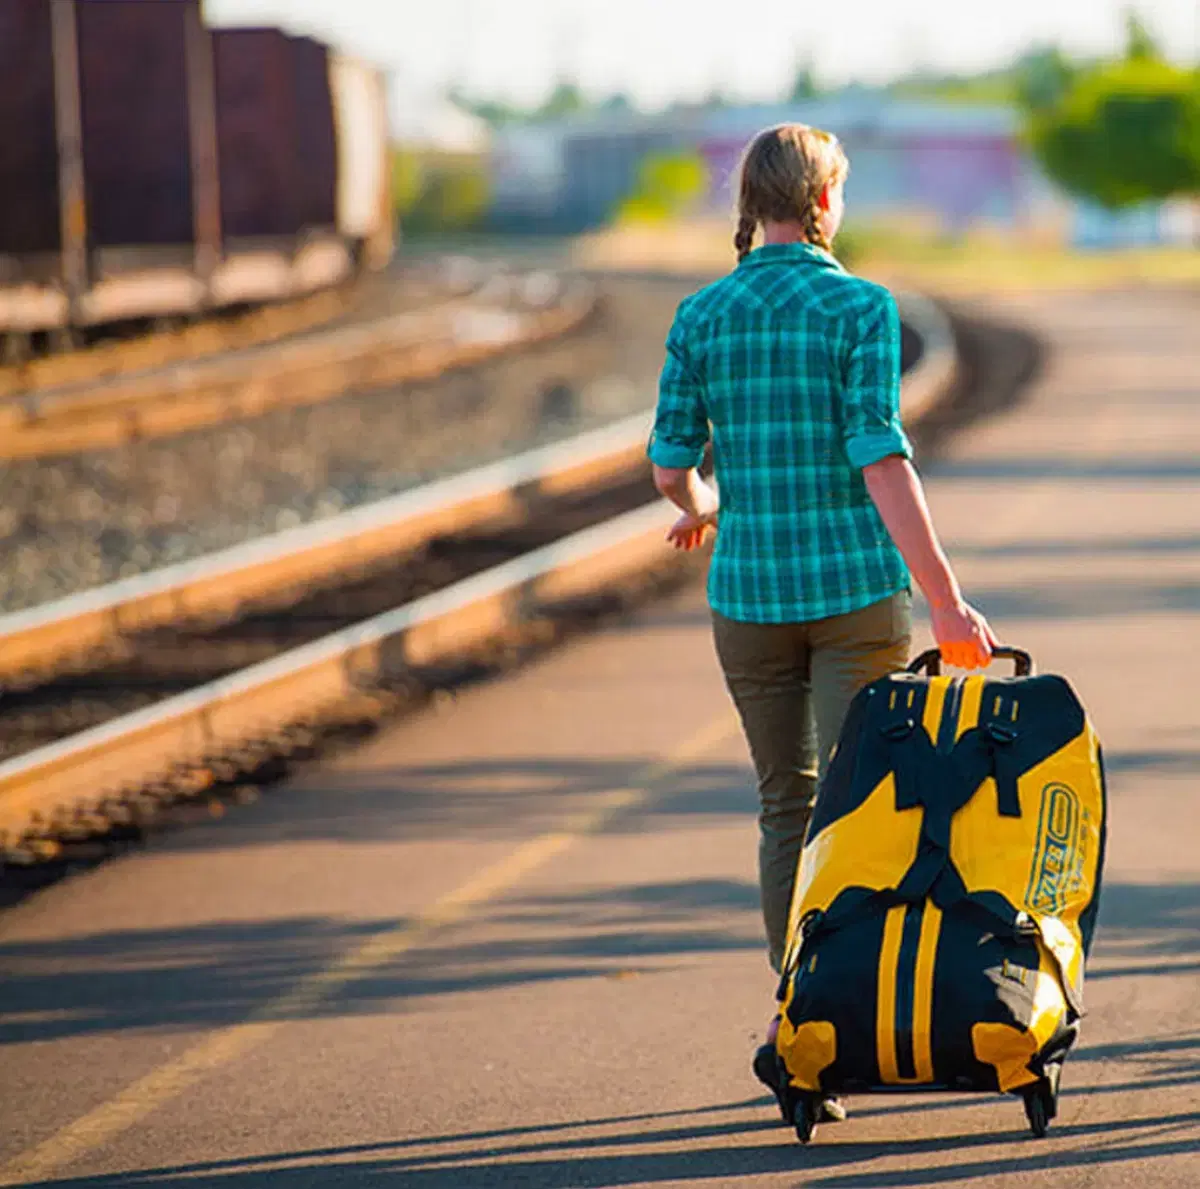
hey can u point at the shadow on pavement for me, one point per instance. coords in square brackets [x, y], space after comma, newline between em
[1182, 761]
[568, 1163]
[221, 973]
[1155, 1064]
[1165, 468]
[1088, 599]
[510, 798]
[1056, 547]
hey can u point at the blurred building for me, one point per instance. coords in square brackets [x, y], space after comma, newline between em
[959, 164]
[569, 175]
[1150, 224]
[952, 164]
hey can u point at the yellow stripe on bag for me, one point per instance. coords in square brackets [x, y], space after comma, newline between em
[885, 1019]
[972, 700]
[885, 1014]
[935, 699]
[931, 928]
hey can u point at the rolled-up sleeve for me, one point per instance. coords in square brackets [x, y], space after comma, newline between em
[871, 425]
[681, 429]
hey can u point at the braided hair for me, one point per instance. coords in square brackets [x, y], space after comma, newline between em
[743, 238]
[784, 172]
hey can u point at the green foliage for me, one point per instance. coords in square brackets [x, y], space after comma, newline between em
[494, 112]
[804, 84]
[985, 89]
[408, 180]
[852, 243]
[438, 192]
[1035, 81]
[668, 185]
[1124, 134]
[1042, 79]
[617, 104]
[565, 100]
[1140, 46]
[715, 100]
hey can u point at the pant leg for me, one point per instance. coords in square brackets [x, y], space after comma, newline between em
[849, 652]
[766, 669]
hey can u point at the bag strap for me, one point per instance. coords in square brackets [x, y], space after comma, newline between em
[1000, 731]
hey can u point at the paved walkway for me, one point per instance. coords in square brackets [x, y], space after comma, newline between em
[516, 942]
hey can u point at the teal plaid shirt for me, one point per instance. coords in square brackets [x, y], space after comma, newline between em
[792, 366]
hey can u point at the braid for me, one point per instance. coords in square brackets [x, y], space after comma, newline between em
[744, 236]
[810, 220]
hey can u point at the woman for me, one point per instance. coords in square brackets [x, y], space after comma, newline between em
[793, 366]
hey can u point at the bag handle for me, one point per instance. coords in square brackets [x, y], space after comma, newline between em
[930, 662]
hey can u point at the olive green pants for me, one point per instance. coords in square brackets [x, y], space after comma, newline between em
[792, 685]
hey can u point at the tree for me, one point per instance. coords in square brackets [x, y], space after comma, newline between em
[565, 100]
[408, 181]
[453, 196]
[804, 83]
[715, 100]
[668, 185]
[1124, 133]
[1042, 78]
[494, 112]
[1140, 46]
[618, 104]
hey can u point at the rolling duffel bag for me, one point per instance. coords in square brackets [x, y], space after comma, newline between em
[946, 894]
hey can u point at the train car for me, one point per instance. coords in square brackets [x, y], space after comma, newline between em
[165, 168]
[277, 161]
[364, 190]
[34, 269]
[147, 173]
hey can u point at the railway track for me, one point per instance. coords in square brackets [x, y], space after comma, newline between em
[121, 349]
[206, 678]
[377, 340]
[280, 602]
[117, 698]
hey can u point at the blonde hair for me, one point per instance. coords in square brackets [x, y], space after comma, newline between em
[782, 176]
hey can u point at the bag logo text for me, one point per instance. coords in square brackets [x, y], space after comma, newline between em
[1061, 851]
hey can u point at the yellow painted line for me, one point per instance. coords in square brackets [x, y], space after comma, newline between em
[168, 1081]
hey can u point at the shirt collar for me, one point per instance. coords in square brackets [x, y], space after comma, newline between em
[798, 253]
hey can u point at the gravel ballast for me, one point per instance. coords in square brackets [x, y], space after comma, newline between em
[69, 524]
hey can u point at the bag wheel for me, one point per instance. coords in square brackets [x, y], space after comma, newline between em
[1040, 1107]
[804, 1115]
[771, 1071]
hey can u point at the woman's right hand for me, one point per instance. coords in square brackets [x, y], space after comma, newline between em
[963, 635]
[688, 532]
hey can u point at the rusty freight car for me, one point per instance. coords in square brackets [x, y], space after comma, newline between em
[165, 168]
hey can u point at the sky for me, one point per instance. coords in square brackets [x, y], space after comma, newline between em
[658, 51]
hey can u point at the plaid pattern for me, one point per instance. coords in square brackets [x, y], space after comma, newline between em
[793, 365]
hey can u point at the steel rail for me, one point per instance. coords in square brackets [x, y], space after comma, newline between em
[89, 778]
[320, 365]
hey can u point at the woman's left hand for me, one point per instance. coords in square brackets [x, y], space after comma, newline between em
[688, 532]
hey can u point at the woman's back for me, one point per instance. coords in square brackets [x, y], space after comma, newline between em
[795, 364]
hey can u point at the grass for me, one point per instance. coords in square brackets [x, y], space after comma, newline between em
[906, 257]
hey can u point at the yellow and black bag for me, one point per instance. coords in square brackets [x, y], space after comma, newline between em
[946, 895]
